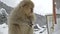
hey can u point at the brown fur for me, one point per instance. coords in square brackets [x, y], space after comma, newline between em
[21, 18]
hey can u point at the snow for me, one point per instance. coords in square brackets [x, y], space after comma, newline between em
[40, 30]
[2, 10]
[4, 29]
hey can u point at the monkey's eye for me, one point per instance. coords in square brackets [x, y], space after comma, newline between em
[31, 10]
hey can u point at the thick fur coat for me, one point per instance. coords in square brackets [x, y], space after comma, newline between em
[21, 19]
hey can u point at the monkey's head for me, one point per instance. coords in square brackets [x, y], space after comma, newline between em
[28, 8]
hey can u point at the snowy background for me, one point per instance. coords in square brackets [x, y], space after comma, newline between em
[42, 7]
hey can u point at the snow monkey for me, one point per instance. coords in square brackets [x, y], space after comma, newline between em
[21, 19]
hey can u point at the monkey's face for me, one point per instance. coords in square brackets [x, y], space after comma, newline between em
[28, 10]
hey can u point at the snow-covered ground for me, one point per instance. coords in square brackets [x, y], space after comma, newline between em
[4, 30]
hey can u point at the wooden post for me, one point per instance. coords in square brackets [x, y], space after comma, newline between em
[54, 12]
